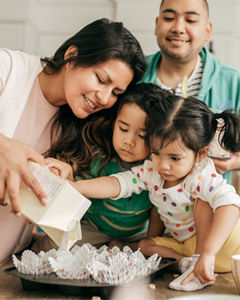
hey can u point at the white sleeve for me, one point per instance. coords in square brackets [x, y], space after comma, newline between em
[135, 181]
[5, 68]
[212, 188]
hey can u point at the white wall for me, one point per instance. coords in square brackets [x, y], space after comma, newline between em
[40, 26]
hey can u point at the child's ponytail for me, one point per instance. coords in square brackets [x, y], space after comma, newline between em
[229, 131]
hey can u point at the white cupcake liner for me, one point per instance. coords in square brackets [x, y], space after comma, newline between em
[111, 266]
[34, 264]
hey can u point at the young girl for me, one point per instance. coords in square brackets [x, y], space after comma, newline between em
[120, 146]
[179, 132]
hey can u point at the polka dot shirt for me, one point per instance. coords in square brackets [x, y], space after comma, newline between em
[175, 205]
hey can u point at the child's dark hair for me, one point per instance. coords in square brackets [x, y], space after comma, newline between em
[193, 122]
[144, 95]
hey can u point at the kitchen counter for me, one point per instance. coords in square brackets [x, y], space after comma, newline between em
[11, 288]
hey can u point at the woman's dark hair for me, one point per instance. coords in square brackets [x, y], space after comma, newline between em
[95, 135]
[193, 122]
[97, 42]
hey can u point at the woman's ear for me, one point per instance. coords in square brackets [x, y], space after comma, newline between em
[202, 154]
[70, 52]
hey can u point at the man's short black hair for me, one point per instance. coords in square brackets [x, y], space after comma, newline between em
[205, 1]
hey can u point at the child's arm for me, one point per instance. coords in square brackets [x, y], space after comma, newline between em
[224, 203]
[120, 185]
[156, 226]
[102, 187]
[224, 221]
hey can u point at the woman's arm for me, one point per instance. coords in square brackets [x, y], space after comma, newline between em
[14, 156]
[102, 187]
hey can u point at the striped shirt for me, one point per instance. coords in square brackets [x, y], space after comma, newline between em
[194, 81]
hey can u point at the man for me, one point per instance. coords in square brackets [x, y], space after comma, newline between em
[182, 28]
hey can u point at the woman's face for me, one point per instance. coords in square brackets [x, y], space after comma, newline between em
[90, 89]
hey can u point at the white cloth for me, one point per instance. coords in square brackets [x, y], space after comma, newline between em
[175, 204]
[194, 284]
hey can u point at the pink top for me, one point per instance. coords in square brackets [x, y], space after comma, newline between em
[35, 123]
[33, 129]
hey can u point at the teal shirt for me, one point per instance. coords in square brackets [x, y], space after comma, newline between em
[220, 86]
[117, 218]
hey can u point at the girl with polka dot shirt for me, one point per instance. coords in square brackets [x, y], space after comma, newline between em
[190, 199]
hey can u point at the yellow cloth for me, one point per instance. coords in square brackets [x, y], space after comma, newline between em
[187, 248]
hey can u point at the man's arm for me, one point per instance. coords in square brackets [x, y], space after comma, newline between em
[224, 165]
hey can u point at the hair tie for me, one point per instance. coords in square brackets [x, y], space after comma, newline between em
[218, 116]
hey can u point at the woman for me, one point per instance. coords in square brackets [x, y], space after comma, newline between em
[86, 75]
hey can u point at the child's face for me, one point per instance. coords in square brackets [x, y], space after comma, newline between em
[129, 133]
[173, 161]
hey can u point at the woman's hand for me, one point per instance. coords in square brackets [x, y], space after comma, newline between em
[59, 168]
[14, 169]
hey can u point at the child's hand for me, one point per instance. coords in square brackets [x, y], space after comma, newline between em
[202, 270]
[59, 168]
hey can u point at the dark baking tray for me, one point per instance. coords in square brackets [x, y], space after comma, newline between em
[87, 287]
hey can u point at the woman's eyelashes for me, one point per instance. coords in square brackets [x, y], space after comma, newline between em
[123, 129]
[116, 94]
[100, 80]
[103, 81]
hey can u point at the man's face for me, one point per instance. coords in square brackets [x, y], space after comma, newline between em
[182, 27]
